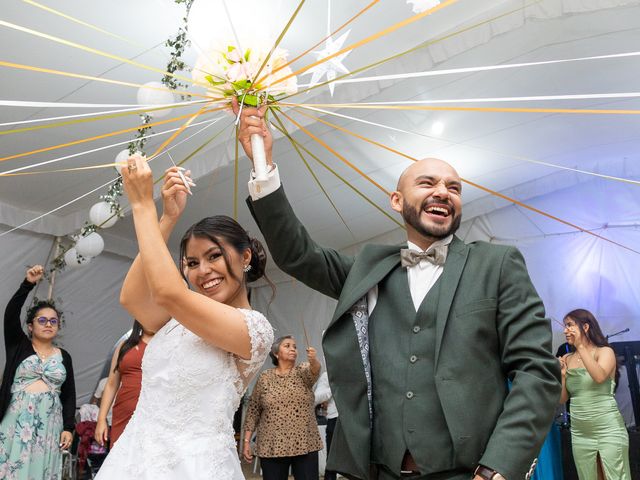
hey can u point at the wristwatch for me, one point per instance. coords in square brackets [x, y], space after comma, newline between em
[486, 473]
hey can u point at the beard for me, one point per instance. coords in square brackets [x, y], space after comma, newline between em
[412, 217]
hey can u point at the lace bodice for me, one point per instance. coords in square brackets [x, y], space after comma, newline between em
[190, 393]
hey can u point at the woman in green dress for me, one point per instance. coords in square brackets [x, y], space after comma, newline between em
[37, 394]
[600, 441]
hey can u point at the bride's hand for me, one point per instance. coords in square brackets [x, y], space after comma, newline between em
[174, 192]
[138, 180]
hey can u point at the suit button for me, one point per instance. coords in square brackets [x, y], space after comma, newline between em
[416, 329]
[413, 359]
[409, 395]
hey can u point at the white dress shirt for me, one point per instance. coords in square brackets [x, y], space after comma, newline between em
[424, 275]
[261, 188]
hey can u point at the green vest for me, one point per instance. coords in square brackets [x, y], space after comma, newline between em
[407, 414]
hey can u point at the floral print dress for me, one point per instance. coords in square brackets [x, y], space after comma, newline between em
[30, 430]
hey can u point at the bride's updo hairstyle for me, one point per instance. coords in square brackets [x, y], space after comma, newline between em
[222, 227]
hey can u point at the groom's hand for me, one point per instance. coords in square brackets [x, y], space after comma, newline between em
[252, 122]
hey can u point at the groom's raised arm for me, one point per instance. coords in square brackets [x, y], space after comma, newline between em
[292, 248]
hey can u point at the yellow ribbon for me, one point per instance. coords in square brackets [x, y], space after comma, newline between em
[465, 144]
[178, 132]
[111, 165]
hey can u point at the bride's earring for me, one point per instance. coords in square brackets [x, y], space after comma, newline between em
[246, 268]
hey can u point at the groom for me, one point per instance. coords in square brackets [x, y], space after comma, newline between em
[424, 337]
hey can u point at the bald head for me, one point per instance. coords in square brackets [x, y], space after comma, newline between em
[425, 167]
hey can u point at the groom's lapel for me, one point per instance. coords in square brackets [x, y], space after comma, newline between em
[370, 267]
[453, 268]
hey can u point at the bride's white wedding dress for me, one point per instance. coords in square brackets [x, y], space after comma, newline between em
[182, 426]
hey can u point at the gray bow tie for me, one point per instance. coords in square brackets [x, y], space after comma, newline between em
[411, 258]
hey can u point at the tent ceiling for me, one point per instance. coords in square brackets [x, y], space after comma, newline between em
[487, 148]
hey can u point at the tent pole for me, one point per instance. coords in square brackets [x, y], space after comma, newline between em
[52, 281]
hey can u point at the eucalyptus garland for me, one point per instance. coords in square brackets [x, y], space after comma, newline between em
[111, 197]
[57, 264]
[140, 140]
[178, 43]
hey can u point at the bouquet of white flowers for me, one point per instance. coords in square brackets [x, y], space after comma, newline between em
[231, 73]
[234, 73]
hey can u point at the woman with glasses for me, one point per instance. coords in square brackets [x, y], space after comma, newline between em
[37, 396]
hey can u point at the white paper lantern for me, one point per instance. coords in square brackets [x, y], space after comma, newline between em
[101, 215]
[90, 246]
[72, 260]
[151, 96]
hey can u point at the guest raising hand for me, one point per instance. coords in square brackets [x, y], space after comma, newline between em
[37, 396]
[281, 412]
[600, 441]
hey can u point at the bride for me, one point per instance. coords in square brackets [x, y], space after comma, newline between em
[208, 342]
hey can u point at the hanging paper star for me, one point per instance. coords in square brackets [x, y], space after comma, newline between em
[331, 67]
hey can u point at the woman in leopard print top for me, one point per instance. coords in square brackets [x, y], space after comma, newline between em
[281, 411]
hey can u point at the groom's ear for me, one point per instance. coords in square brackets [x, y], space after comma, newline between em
[396, 201]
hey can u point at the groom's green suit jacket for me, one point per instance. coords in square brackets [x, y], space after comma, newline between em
[490, 327]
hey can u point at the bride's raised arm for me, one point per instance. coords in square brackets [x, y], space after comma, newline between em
[215, 268]
[135, 295]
